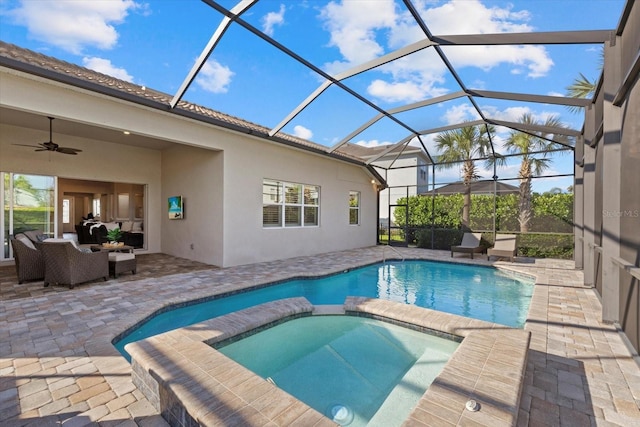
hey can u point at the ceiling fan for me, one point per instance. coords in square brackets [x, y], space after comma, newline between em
[52, 146]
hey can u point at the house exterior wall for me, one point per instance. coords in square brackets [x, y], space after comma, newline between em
[404, 181]
[609, 183]
[218, 171]
[629, 177]
[195, 174]
[247, 241]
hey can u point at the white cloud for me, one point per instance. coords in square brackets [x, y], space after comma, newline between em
[460, 113]
[401, 91]
[302, 132]
[105, 66]
[364, 30]
[372, 143]
[214, 77]
[271, 19]
[353, 25]
[74, 25]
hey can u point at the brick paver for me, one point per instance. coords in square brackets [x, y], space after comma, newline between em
[579, 371]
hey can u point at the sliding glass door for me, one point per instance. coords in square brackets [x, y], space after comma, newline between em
[28, 204]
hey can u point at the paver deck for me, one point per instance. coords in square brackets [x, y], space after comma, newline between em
[57, 364]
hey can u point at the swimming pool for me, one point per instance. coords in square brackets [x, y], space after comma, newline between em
[321, 361]
[479, 292]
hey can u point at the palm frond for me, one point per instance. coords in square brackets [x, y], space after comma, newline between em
[581, 87]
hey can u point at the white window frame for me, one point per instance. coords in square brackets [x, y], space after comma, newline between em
[355, 208]
[278, 198]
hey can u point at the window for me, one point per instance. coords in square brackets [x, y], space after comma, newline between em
[66, 218]
[29, 204]
[96, 205]
[288, 204]
[354, 207]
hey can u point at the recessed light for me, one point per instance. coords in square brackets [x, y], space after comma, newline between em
[126, 132]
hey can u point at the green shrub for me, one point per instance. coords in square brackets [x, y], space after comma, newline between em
[546, 245]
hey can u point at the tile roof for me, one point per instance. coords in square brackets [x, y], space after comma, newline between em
[477, 187]
[26, 60]
[363, 152]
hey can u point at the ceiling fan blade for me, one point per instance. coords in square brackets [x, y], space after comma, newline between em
[50, 145]
[27, 145]
[67, 150]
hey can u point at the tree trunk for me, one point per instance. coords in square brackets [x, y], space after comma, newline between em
[524, 216]
[468, 175]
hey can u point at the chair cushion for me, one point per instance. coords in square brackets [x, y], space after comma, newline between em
[56, 240]
[36, 235]
[119, 256]
[24, 239]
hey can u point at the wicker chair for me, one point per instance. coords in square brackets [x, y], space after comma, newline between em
[67, 265]
[28, 259]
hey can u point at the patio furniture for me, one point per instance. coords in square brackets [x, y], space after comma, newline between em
[36, 236]
[504, 247]
[120, 262]
[65, 264]
[28, 259]
[470, 244]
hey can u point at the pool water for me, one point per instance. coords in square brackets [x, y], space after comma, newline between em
[356, 371]
[484, 293]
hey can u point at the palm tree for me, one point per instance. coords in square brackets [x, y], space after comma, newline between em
[464, 145]
[525, 144]
[581, 87]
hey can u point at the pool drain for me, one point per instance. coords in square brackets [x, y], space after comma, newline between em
[340, 414]
[472, 406]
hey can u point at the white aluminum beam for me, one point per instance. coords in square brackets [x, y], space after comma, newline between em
[526, 97]
[548, 130]
[238, 9]
[550, 37]
[390, 57]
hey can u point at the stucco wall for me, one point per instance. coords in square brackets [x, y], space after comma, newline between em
[220, 176]
[197, 175]
[246, 241]
[629, 211]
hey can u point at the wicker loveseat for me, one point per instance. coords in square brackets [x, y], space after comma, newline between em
[28, 259]
[65, 264]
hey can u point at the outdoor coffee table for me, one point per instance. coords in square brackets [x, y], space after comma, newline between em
[121, 258]
[123, 248]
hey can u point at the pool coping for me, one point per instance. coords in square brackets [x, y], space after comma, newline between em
[192, 384]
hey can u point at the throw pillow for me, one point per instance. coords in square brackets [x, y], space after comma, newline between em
[127, 225]
[24, 239]
[137, 226]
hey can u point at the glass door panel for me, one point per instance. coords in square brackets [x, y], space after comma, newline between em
[29, 204]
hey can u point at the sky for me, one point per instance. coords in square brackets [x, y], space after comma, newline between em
[156, 43]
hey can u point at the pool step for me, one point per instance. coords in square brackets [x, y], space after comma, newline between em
[323, 310]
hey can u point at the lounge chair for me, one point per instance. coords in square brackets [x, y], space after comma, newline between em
[28, 259]
[65, 264]
[504, 247]
[470, 244]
